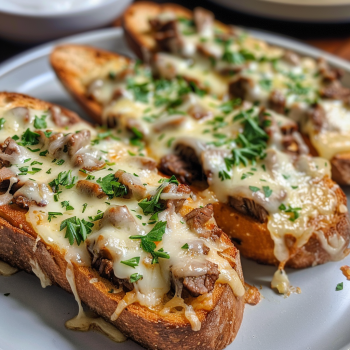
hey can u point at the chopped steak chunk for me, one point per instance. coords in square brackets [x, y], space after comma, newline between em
[240, 87]
[317, 114]
[90, 188]
[335, 90]
[198, 285]
[277, 102]
[249, 207]
[173, 164]
[105, 269]
[197, 218]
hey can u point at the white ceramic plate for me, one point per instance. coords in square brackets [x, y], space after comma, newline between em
[293, 10]
[33, 318]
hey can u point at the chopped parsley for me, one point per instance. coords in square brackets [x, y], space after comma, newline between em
[135, 277]
[76, 229]
[29, 138]
[267, 191]
[294, 211]
[339, 286]
[43, 153]
[53, 215]
[65, 204]
[133, 262]
[2, 123]
[265, 84]
[245, 175]
[40, 123]
[84, 207]
[60, 162]
[65, 179]
[152, 205]
[148, 241]
[185, 246]
[224, 175]
[110, 185]
[228, 106]
[254, 189]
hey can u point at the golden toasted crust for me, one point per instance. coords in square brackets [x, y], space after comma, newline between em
[254, 240]
[150, 329]
[12, 100]
[137, 30]
[76, 65]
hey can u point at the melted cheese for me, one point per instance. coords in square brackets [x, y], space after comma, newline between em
[36, 269]
[6, 269]
[36, 168]
[280, 281]
[216, 60]
[278, 183]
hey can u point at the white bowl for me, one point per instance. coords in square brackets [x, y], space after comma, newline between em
[28, 26]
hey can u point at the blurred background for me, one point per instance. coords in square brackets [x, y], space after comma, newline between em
[322, 23]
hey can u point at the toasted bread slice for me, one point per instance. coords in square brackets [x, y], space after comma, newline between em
[138, 30]
[258, 246]
[77, 65]
[141, 39]
[20, 246]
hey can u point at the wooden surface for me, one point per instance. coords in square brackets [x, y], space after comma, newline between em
[338, 47]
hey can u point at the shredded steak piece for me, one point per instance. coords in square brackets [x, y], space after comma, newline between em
[173, 164]
[105, 269]
[77, 141]
[197, 218]
[170, 123]
[118, 215]
[144, 162]
[289, 129]
[60, 119]
[198, 247]
[204, 20]
[20, 197]
[329, 74]
[335, 90]
[91, 189]
[202, 284]
[317, 114]
[291, 58]
[56, 144]
[133, 183]
[87, 162]
[240, 87]
[198, 112]
[5, 176]
[8, 148]
[249, 207]
[166, 34]
[177, 203]
[341, 167]
[277, 102]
